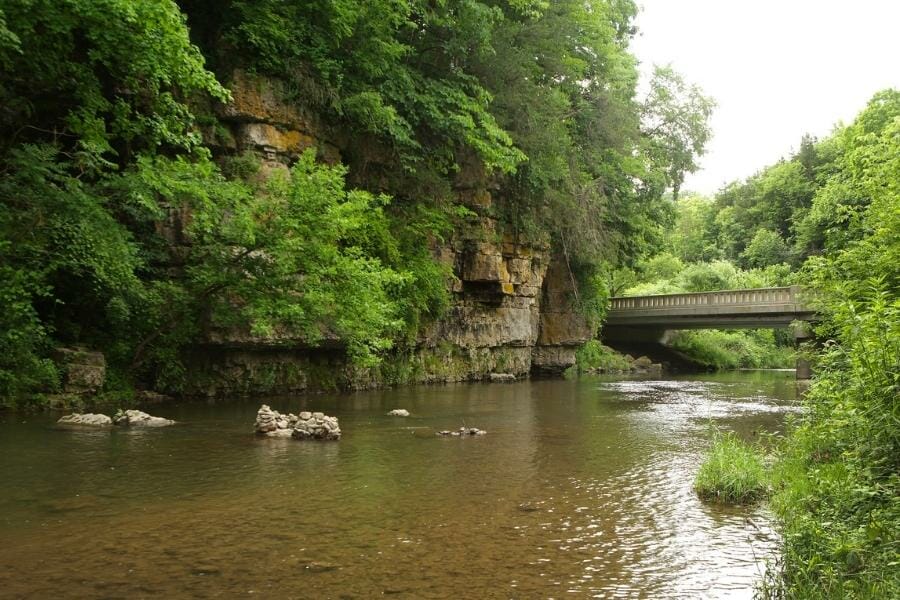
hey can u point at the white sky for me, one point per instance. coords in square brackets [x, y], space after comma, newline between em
[777, 69]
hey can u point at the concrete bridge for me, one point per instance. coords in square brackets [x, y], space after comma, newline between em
[731, 309]
[646, 319]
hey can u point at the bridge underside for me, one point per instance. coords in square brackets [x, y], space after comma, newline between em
[709, 319]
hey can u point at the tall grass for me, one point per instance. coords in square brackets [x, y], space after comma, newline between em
[838, 478]
[733, 472]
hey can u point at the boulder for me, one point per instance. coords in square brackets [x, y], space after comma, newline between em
[399, 412]
[642, 362]
[86, 419]
[136, 418]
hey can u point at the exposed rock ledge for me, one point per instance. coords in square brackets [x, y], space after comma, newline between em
[87, 419]
[125, 418]
[305, 426]
[136, 418]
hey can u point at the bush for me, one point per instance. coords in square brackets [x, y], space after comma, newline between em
[748, 349]
[733, 472]
[837, 479]
[595, 356]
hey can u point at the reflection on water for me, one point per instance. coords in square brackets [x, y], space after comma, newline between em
[580, 489]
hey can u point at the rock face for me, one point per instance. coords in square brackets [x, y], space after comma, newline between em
[512, 298]
[305, 426]
[83, 371]
[399, 412]
[136, 418]
[86, 419]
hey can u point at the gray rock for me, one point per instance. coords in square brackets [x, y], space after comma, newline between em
[280, 433]
[502, 378]
[315, 426]
[82, 371]
[399, 412]
[272, 423]
[642, 362]
[136, 418]
[86, 419]
[463, 432]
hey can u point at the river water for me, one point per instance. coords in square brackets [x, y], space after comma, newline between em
[580, 489]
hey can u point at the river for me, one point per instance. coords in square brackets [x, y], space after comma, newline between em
[581, 488]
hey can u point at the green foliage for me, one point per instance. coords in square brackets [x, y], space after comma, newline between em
[296, 257]
[742, 349]
[810, 203]
[733, 472]
[593, 356]
[108, 78]
[691, 237]
[676, 121]
[541, 92]
[766, 248]
[839, 489]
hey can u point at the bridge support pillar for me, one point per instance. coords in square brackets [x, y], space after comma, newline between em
[803, 333]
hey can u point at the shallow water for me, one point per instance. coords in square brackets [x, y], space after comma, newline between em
[580, 489]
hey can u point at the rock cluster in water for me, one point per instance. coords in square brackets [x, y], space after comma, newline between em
[305, 426]
[399, 412]
[463, 432]
[136, 418]
[127, 418]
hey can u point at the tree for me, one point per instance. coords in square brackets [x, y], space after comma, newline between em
[766, 248]
[675, 121]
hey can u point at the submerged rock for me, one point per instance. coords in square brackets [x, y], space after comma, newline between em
[305, 426]
[137, 418]
[463, 432]
[399, 412]
[87, 419]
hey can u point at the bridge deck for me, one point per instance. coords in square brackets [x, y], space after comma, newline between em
[730, 309]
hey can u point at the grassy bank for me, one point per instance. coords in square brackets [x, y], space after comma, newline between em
[838, 479]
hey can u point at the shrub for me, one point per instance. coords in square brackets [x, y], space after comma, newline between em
[733, 472]
[594, 355]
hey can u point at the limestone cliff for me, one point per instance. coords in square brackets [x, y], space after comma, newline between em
[511, 310]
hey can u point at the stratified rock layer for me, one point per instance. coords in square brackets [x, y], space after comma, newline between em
[512, 307]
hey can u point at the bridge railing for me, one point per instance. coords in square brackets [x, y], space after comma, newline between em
[778, 295]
